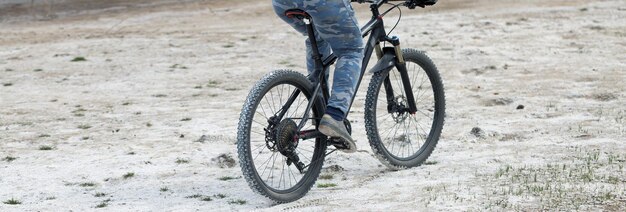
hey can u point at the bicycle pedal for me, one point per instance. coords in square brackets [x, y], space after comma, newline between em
[338, 143]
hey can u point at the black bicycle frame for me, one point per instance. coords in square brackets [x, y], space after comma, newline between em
[388, 58]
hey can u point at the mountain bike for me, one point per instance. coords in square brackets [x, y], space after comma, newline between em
[280, 150]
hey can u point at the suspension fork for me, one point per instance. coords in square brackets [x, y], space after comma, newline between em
[406, 81]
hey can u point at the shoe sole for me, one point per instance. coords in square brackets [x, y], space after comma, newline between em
[328, 131]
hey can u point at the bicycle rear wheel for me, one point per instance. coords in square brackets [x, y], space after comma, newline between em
[399, 139]
[267, 143]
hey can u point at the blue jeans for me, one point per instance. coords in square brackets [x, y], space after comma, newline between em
[337, 30]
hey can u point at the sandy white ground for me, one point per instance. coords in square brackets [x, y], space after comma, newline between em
[157, 79]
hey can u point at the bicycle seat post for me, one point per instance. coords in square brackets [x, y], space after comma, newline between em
[316, 53]
[317, 57]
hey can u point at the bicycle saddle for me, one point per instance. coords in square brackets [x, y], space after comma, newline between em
[297, 13]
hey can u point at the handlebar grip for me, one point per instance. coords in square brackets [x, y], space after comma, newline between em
[409, 2]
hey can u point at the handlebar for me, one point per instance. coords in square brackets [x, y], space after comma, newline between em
[411, 4]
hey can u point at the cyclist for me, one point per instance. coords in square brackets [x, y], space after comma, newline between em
[337, 30]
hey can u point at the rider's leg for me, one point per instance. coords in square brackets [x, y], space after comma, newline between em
[336, 24]
[337, 28]
[324, 50]
[280, 6]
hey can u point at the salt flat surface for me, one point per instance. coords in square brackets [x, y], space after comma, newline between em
[122, 125]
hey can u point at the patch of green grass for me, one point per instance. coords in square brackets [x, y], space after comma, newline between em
[7, 84]
[164, 189]
[44, 136]
[126, 103]
[12, 201]
[8, 70]
[326, 185]
[186, 119]
[45, 147]
[503, 171]
[231, 89]
[103, 204]
[200, 197]
[160, 95]
[613, 180]
[79, 110]
[586, 179]
[326, 176]
[128, 175]
[430, 162]
[230, 45]
[178, 66]
[9, 158]
[78, 59]
[84, 138]
[99, 194]
[84, 126]
[213, 83]
[220, 196]
[38, 70]
[194, 196]
[25, 123]
[87, 184]
[226, 178]
[237, 201]
[198, 87]
[148, 124]
[181, 160]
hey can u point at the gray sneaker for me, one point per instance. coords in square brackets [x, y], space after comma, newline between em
[333, 128]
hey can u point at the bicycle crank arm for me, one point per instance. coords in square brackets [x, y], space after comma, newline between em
[310, 134]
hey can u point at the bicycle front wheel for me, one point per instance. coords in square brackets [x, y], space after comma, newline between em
[400, 139]
[274, 162]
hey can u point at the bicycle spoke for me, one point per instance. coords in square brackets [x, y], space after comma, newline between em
[280, 95]
[273, 104]
[269, 105]
[425, 115]
[400, 133]
[262, 109]
[270, 158]
[267, 160]
[282, 172]
[398, 80]
[258, 133]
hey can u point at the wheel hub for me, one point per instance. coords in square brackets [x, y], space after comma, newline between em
[400, 114]
[285, 136]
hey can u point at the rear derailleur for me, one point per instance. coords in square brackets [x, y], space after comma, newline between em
[285, 140]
